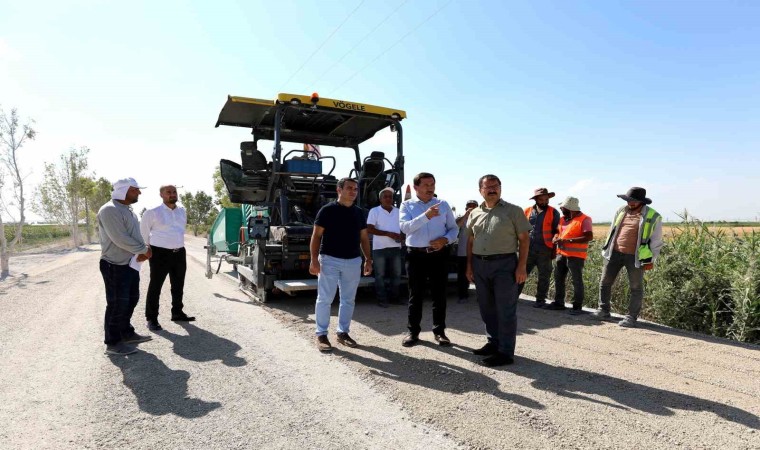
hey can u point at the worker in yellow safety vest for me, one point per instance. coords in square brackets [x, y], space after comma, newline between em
[575, 232]
[634, 242]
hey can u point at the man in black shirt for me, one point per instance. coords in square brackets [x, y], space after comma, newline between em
[337, 243]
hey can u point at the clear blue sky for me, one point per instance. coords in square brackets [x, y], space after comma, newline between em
[586, 98]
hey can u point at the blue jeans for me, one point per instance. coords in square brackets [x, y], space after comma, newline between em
[336, 273]
[387, 264]
[122, 294]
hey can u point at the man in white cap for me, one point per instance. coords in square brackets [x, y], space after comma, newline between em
[163, 229]
[383, 225]
[121, 246]
[576, 230]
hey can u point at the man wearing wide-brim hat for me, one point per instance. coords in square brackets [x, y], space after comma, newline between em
[634, 242]
[544, 221]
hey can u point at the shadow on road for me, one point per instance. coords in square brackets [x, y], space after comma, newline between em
[580, 384]
[432, 374]
[202, 346]
[158, 389]
[230, 299]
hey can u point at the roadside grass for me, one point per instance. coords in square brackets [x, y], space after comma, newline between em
[707, 279]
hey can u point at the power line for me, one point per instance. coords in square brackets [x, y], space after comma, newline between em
[322, 45]
[357, 44]
[394, 44]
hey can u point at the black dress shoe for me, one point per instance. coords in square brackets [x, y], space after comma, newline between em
[556, 307]
[539, 304]
[183, 318]
[498, 359]
[153, 325]
[410, 340]
[442, 340]
[488, 349]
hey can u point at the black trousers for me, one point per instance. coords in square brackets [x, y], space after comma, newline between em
[463, 284]
[122, 294]
[165, 262]
[427, 270]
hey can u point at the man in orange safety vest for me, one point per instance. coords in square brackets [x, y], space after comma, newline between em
[575, 232]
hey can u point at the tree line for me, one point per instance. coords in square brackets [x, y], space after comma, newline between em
[69, 194]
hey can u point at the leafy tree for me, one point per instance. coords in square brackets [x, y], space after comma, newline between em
[61, 197]
[200, 208]
[220, 191]
[95, 194]
[13, 136]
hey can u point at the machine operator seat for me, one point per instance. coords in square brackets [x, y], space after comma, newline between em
[371, 179]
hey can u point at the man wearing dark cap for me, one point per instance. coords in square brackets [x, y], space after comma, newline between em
[122, 249]
[463, 284]
[544, 221]
[634, 242]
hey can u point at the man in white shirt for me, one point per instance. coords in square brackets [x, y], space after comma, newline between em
[383, 225]
[163, 229]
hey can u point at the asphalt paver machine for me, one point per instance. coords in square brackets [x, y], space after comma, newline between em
[267, 237]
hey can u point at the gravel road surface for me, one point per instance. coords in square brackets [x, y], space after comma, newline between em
[247, 375]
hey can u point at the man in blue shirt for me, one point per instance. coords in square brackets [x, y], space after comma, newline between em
[429, 226]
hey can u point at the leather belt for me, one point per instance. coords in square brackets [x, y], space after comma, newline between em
[423, 249]
[172, 250]
[495, 257]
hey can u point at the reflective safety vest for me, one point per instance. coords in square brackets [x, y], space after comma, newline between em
[546, 227]
[571, 230]
[645, 233]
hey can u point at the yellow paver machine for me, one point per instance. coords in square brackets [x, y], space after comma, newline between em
[267, 237]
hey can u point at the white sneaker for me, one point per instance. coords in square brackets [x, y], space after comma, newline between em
[628, 322]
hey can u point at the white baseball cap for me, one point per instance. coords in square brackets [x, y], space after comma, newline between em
[121, 187]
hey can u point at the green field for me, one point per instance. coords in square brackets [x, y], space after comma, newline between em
[36, 235]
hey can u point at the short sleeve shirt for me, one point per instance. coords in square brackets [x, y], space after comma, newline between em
[343, 226]
[495, 230]
[384, 221]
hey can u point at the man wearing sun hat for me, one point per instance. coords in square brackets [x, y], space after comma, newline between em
[575, 232]
[634, 242]
[120, 241]
[544, 221]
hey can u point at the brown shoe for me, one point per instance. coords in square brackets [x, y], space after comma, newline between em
[442, 340]
[323, 344]
[345, 339]
[410, 340]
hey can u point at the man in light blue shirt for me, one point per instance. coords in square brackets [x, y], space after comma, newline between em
[429, 226]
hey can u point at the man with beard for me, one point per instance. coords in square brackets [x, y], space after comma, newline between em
[634, 242]
[163, 228]
[337, 243]
[575, 232]
[121, 247]
[498, 230]
[429, 225]
[383, 225]
[544, 219]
